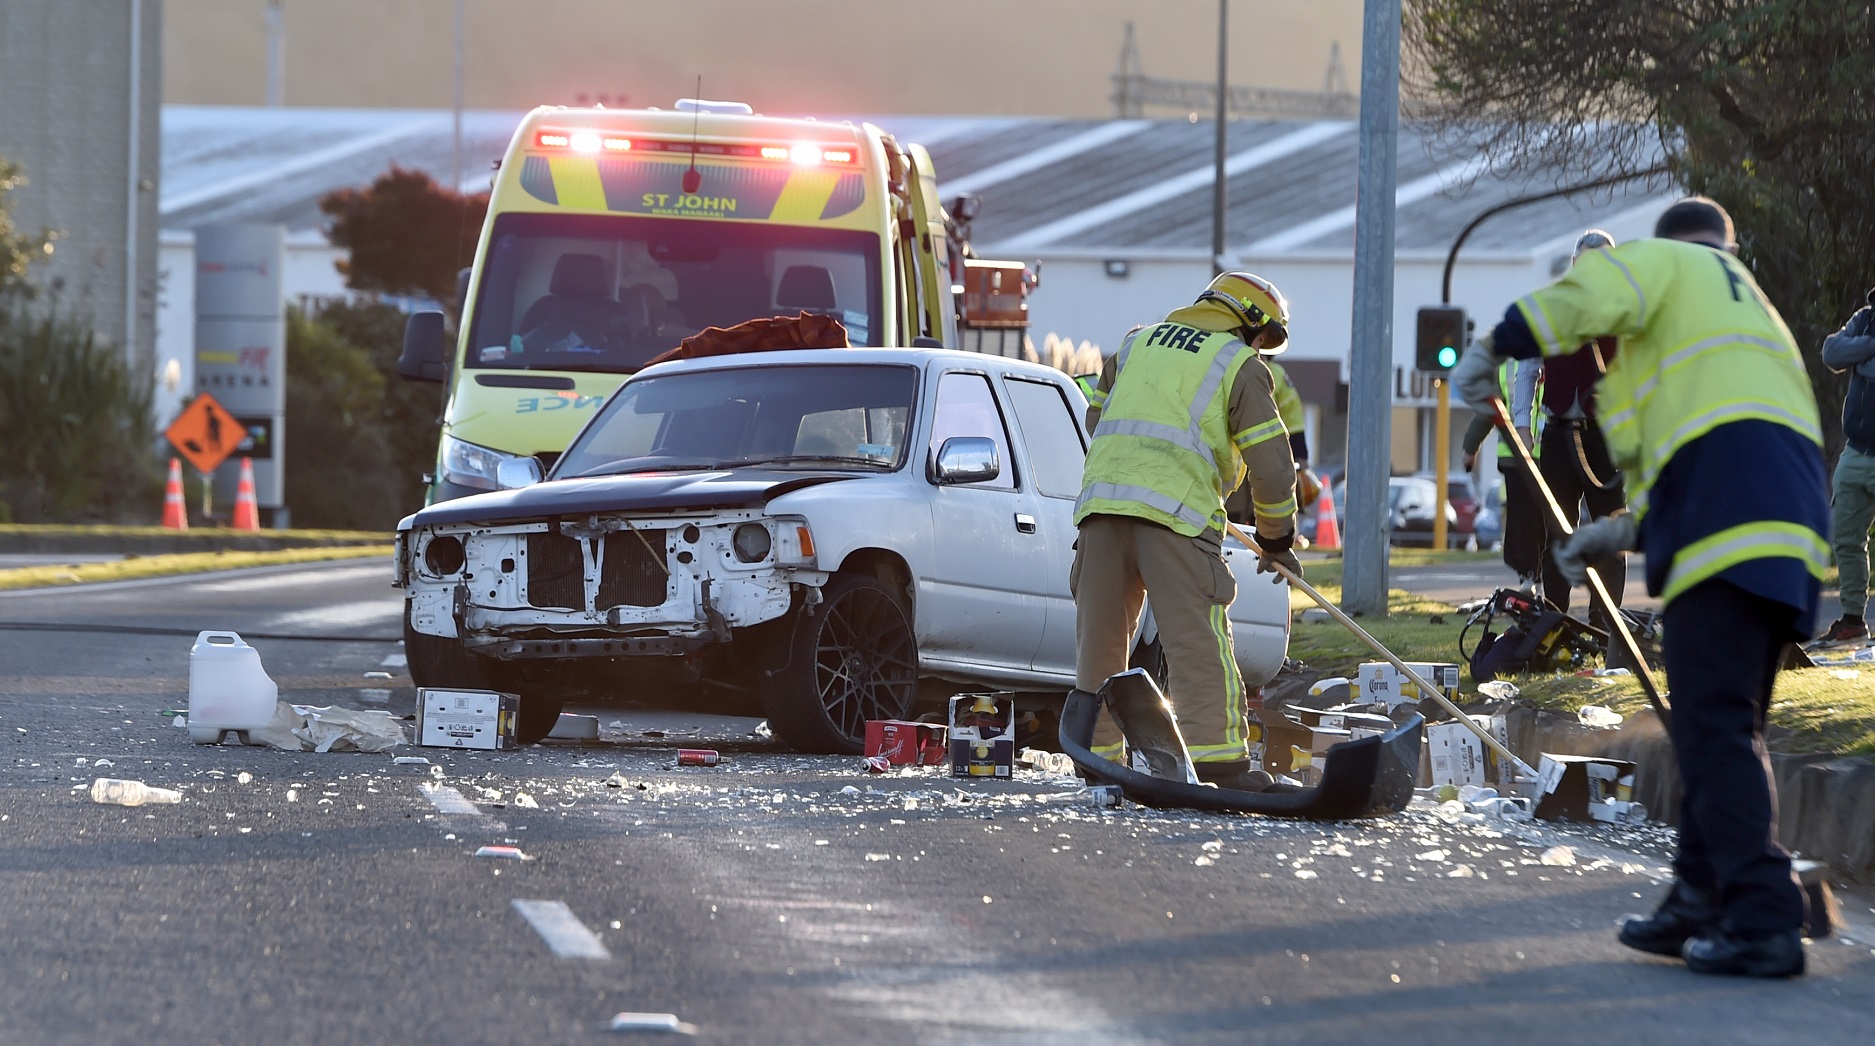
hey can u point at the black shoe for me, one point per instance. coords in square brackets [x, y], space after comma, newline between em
[1686, 913]
[1772, 955]
[1235, 775]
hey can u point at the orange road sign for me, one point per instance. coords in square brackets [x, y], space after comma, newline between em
[205, 432]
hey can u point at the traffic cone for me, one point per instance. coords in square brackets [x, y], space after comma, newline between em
[1327, 531]
[175, 515]
[246, 511]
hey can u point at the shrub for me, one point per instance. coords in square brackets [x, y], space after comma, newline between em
[75, 422]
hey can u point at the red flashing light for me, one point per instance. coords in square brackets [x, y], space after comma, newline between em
[552, 140]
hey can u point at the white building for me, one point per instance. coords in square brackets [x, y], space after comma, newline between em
[1117, 211]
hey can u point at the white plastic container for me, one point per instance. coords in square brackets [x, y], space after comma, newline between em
[228, 689]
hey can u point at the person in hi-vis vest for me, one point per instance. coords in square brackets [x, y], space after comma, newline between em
[1181, 414]
[1710, 416]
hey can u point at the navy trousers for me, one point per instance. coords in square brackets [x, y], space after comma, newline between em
[1722, 646]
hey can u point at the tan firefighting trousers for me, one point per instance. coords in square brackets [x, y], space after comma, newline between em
[1118, 560]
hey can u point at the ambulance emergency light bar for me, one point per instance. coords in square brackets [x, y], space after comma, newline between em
[804, 154]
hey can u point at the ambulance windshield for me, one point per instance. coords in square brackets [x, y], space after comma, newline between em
[608, 292]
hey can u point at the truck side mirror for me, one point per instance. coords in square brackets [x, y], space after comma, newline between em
[965, 459]
[423, 355]
[515, 473]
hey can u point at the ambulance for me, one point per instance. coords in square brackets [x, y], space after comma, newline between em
[612, 234]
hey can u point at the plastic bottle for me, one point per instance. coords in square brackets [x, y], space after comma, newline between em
[119, 792]
[228, 689]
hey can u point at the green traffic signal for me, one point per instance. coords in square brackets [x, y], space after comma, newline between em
[1448, 357]
[1440, 338]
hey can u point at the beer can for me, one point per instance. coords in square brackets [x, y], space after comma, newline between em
[697, 757]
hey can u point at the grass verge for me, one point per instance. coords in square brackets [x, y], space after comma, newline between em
[205, 534]
[1816, 710]
[132, 568]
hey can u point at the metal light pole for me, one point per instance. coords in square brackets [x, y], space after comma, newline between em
[455, 142]
[1364, 570]
[1218, 195]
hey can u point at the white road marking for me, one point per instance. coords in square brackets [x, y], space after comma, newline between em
[338, 615]
[377, 568]
[395, 661]
[449, 801]
[374, 696]
[561, 929]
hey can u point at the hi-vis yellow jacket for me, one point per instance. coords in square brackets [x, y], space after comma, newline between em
[1700, 347]
[1288, 400]
[1181, 412]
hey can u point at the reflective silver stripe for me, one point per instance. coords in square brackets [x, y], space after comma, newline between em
[1256, 434]
[1180, 438]
[1789, 539]
[1717, 341]
[1145, 496]
[1640, 312]
[1616, 419]
[1276, 511]
[1126, 349]
[1097, 398]
[1718, 415]
[1545, 337]
[1214, 377]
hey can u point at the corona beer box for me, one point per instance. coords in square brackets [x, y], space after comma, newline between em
[466, 718]
[983, 735]
[1379, 681]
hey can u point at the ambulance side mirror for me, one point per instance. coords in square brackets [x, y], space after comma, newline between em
[424, 350]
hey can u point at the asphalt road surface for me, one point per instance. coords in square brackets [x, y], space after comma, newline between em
[337, 898]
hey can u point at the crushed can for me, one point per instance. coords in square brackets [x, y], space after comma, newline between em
[697, 757]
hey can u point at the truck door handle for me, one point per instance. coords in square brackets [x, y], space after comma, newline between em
[1025, 523]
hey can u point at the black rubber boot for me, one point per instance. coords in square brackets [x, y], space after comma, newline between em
[1236, 775]
[1686, 913]
[1772, 955]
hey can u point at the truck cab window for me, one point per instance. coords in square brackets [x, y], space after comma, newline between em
[967, 407]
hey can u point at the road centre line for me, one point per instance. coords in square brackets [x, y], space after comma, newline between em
[449, 801]
[395, 661]
[565, 935]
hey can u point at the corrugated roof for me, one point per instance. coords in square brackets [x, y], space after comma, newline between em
[1047, 185]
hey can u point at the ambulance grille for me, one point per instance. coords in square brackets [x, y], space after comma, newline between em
[632, 574]
[556, 572]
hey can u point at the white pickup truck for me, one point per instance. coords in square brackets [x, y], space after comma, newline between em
[819, 528]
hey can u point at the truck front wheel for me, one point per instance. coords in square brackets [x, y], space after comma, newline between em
[852, 658]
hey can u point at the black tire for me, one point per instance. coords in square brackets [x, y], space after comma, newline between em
[438, 661]
[854, 657]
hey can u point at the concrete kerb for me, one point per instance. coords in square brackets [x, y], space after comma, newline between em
[54, 542]
[1826, 803]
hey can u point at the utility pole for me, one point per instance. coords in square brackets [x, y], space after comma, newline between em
[455, 143]
[1364, 561]
[276, 54]
[1218, 190]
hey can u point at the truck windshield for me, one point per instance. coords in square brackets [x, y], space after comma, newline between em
[608, 292]
[803, 416]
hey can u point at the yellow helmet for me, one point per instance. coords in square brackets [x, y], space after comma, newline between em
[1253, 300]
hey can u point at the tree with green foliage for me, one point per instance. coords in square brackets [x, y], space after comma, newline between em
[18, 250]
[75, 420]
[405, 234]
[1767, 106]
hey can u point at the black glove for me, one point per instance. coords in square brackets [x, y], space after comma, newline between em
[1273, 551]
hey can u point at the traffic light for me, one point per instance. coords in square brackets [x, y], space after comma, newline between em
[1442, 330]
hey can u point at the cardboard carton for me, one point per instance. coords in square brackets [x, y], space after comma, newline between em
[983, 735]
[1569, 787]
[1455, 755]
[466, 718]
[903, 743]
[1380, 681]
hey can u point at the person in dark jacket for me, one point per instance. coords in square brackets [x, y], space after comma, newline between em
[1852, 489]
[1574, 461]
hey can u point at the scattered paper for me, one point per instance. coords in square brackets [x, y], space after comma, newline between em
[308, 728]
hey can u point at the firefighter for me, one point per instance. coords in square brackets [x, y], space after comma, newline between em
[1288, 408]
[1183, 410]
[1710, 416]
